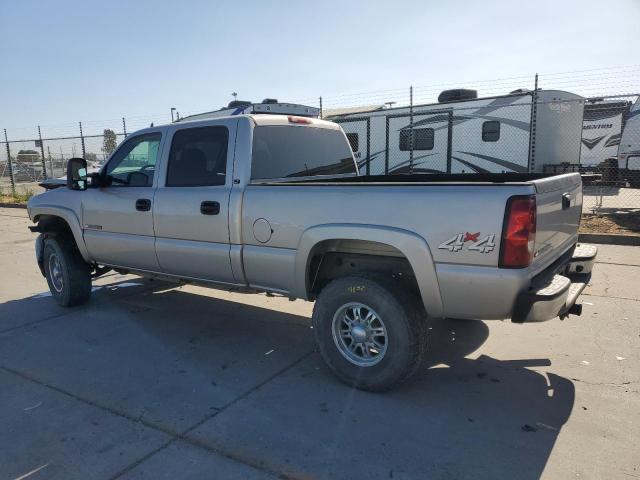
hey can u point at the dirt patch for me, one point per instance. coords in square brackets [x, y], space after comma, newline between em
[619, 223]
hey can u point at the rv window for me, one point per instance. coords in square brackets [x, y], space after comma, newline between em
[353, 141]
[491, 131]
[198, 157]
[283, 151]
[422, 139]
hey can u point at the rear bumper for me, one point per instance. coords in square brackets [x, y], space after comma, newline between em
[555, 292]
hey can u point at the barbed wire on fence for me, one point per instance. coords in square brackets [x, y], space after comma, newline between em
[41, 151]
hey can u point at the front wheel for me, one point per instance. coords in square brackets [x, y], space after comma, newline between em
[369, 331]
[68, 275]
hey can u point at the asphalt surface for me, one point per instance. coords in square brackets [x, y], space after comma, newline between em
[152, 381]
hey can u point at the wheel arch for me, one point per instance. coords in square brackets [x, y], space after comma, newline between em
[390, 242]
[60, 219]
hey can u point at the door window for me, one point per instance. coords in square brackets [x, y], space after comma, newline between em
[198, 157]
[353, 141]
[134, 163]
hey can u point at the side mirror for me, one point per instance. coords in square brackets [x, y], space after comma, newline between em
[77, 174]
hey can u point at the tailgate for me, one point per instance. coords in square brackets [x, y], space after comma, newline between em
[559, 206]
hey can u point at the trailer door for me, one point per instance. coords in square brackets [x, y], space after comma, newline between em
[358, 133]
[423, 146]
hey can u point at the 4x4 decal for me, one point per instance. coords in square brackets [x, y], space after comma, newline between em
[456, 243]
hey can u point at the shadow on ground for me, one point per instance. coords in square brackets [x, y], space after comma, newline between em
[238, 379]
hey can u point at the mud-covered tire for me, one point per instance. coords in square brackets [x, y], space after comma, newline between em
[401, 315]
[67, 274]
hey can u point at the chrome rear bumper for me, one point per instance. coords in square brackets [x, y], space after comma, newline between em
[556, 294]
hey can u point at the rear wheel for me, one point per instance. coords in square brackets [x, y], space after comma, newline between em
[68, 275]
[369, 331]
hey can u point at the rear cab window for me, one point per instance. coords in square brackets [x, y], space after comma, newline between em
[281, 151]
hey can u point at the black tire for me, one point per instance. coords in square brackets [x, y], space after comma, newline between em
[71, 284]
[402, 316]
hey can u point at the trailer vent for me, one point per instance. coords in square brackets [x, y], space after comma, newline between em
[457, 95]
[239, 104]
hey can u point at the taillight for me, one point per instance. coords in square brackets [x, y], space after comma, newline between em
[518, 232]
[302, 120]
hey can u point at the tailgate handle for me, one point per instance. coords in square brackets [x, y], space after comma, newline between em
[566, 200]
[209, 208]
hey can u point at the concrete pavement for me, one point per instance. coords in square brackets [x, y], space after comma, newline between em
[150, 380]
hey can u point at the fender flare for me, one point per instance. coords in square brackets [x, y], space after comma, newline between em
[414, 247]
[68, 216]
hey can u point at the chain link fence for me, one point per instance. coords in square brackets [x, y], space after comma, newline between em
[586, 121]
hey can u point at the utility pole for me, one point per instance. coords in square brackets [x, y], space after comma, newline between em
[50, 161]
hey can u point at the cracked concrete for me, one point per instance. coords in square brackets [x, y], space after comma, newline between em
[155, 381]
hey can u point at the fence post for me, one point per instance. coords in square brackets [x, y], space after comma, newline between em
[411, 129]
[44, 166]
[532, 135]
[124, 127]
[13, 183]
[82, 140]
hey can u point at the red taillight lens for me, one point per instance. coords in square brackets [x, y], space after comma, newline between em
[302, 120]
[519, 232]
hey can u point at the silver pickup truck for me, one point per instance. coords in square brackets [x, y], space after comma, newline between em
[273, 203]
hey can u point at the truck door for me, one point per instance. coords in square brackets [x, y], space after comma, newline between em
[358, 133]
[190, 214]
[423, 146]
[117, 220]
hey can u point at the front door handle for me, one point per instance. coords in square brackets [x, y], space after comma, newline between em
[143, 204]
[209, 208]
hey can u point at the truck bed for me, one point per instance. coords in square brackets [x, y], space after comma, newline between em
[422, 178]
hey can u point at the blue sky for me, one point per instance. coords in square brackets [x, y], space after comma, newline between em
[65, 61]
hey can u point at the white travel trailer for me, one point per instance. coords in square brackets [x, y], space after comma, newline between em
[610, 130]
[523, 131]
[268, 105]
[601, 129]
[629, 149]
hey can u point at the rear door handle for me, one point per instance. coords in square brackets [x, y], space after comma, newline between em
[209, 208]
[566, 201]
[143, 204]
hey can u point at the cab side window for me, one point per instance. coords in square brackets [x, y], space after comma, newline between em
[134, 163]
[198, 157]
